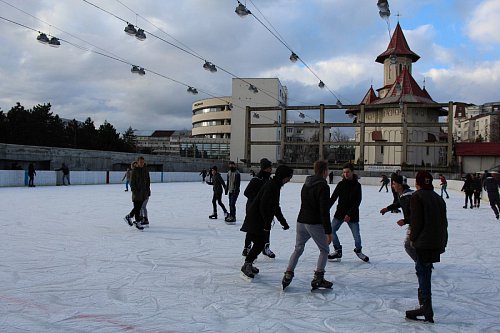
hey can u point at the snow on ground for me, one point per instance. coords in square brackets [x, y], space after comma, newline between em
[69, 263]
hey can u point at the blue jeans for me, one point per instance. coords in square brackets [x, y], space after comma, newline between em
[443, 190]
[424, 273]
[304, 232]
[354, 226]
[233, 196]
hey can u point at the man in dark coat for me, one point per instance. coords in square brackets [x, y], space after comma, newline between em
[313, 222]
[260, 215]
[65, 170]
[253, 187]
[218, 187]
[348, 191]
[140, 183]
[429, 236]
[491, 187]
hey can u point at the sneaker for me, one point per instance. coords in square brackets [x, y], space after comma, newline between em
[246, 250]
[336, 255]
[361, 255]
[267, 252]
[128, 219]
[287, 279]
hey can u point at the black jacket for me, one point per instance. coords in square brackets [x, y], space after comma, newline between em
[263, 208]
[403, 203]
[315, 203]
[217, 183]
[491, 185]
[429, 225]
[140, 183]
[349, 194]
[255, 185]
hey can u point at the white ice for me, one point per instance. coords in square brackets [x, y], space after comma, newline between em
[69, 263]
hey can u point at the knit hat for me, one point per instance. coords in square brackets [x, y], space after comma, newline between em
[265, 163]
[283, 172]
[424, 180]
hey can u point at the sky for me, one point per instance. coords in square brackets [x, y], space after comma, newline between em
[71, 264]
[458, 42]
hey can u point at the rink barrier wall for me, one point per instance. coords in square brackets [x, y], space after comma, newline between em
[17, 178]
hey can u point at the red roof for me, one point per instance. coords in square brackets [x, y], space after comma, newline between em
[370, 97]
[410, 91]
[398, 46]
[477, 149]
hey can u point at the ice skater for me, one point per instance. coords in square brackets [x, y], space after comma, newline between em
[348, 192]
[313, 222]
[232, 190]
[126, 177]
[444, 185]
[218, 187]
[468, 189]
[491, 186]
[385, 182]
[31, 175]
[140, 186]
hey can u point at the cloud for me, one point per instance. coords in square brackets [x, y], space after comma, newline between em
[484, 25]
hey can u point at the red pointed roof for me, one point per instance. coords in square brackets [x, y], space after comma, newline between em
[370, 97]
[398, 46]
[410, 91]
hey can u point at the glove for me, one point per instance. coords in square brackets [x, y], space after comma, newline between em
[285, 225]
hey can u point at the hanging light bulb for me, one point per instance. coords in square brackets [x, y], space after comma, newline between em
[130, 29]
[321, 84]
[301, 115]
[253, 88]
[241, 10]
[192, 90]
[339, 103]
[140, 35]
[209, 67]
[135, 69]
[294, 57]
[54, 42]
[142, 71]
[42, 38]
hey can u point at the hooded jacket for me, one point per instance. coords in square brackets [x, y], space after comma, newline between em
[140, 183]
[314, 206]
[349, 194]
[403, 203]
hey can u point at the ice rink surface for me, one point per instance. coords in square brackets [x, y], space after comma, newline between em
[69, 263]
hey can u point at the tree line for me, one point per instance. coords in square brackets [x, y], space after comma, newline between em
[38, 126]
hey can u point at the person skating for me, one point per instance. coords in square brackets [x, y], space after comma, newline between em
[429, 237]
[394, 193]
[468, 189]
[250, 192]
[478, 189]
[405, 193]
[385, 181]
[203, 174]
[348, 192]
[233, 190]
[218, 186]
[491, 186]
[31, 175]
[126, 177]
[313, 222]
[140, 186]
[65, 170]
[259, 216]
[444, 185]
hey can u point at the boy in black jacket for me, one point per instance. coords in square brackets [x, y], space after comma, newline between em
[348, 191]
[218, 186]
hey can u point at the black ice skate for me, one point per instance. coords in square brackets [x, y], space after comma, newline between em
[247, 272]
[230, 220]
[425, 310]
[335, 256]
[213, 216]
[361, 255]
[287, 279]
[145, 223]
[267, 252]
[319, 282]
[138, 225]
[128, 219]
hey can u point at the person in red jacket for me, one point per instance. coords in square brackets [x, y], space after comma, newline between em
[443, 184]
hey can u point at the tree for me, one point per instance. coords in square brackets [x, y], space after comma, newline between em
[107, 137]
[130, 140]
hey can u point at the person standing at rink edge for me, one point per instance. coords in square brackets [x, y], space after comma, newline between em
[232, 190]
[313, 222]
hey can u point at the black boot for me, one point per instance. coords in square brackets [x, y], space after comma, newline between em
[320, 282]
[213, 216]
[424, 310]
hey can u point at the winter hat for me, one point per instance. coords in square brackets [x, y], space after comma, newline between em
[265, 163]
[283, 172]
[397, 179]
[424, 180]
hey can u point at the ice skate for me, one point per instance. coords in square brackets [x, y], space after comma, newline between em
[361, 255]
[287, 279]
[145, 223]
[138, 225]
[230, 220]
[213, 216]
[424, 310]
[128, 219]
[335, 256]
[319, 282]
[247, 272]
[267, 252]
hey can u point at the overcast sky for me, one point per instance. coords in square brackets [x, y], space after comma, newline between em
[458, 41]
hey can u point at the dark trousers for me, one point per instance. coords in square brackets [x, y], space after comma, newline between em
[494, 202]
[424, 274]
[216, 199]
[136, 211]
[31, 181]
[259, 241]
[468, 196]
[233, 196]
[248, 239]
[381, 187]
[477, 198]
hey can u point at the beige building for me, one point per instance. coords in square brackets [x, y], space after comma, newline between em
[477, 123]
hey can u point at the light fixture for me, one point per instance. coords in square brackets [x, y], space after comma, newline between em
[301, 115]
[42, 38]
[142, 71]
[294, 57]
[383, 7]
[209, 67]
[321, 84]
[230, 106]
[130, 30]
[192, 90]
[241, 10]
[54, 42]
[339, 103]
[256, 115]
[140, 35]
[253, 88]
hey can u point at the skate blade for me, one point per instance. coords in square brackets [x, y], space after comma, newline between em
[230, 223]
[246, 278]
[126, 221]
[419, 319]
[320, 289]
[335, 260]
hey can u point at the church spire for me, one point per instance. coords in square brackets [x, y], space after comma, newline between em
[398, 47]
